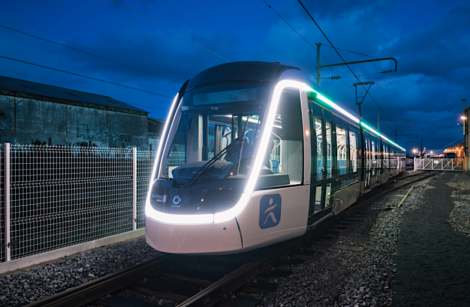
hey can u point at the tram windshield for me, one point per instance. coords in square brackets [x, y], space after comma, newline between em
[210, 147]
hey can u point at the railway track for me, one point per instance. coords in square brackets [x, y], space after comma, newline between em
[211, 280]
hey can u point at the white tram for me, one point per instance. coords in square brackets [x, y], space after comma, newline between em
[251, 155]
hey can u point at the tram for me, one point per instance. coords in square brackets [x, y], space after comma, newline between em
[253, 154]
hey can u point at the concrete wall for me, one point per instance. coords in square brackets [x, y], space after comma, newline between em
[68, 125]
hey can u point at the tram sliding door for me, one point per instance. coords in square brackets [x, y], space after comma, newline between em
[323, 162]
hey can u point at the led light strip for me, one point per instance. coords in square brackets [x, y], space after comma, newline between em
[227, 215]
[160, 216]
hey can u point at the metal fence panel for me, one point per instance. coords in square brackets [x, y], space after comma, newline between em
[440, 164]
[2, 200]
[61, 196]
[145, 161]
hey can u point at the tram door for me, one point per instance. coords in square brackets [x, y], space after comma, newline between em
[323, 161]
[368, 166]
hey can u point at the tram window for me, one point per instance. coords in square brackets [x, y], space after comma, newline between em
[330, 167]
[367, 151]
[353, 144]
[283, 164]
[385, 155]
[318, 117]
[328, 195]
[341, 147]
[373, 153]
[318, 195]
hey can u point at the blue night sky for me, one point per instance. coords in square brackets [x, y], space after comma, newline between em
[430, 40]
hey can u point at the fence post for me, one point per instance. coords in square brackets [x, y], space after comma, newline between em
[7, 202]
[134, 188]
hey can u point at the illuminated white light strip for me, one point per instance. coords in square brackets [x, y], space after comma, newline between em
[163, 217]
[256, 165]
[335, 106]
[244, 199]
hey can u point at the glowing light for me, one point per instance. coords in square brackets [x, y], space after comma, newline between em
[149, 211]
[335, 106]
[256, 166]
[463, 117]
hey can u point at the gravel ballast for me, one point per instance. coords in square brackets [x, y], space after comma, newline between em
[46, 280]
[433, 259]
[416, 255]
[345, 278]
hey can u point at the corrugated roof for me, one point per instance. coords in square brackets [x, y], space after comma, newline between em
[45, 90]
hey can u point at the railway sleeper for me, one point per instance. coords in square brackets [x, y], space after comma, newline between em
[260, 287]
[122, 301]
[240, 302]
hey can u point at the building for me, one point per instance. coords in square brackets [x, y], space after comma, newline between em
[156, 126]
[458, 149]
[33, 113]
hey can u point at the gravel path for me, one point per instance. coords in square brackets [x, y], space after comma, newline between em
[416, 255]
[433, 259]
[459, 218]
[345, 278]
[44, 281]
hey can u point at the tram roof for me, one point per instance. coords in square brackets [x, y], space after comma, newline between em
[240, 71]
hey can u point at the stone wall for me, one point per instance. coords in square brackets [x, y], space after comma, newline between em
[68, 125]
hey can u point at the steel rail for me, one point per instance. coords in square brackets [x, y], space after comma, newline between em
[374, 198]
[214, 293]
[93, 290]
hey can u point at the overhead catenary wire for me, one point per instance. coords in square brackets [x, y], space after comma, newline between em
[91, 88]
[83, 76]
[86, 52]
[192, 42]
[311, 17]
[279, 15]
[459, 138]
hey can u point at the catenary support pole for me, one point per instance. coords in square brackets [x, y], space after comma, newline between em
[134, 188]
[7, 202]
[318, 64]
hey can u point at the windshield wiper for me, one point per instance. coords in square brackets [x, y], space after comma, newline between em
[229, 150]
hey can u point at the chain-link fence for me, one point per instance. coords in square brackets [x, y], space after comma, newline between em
[62, 196]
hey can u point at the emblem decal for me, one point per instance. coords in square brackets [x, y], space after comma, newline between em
[176, 199]
[270, 211]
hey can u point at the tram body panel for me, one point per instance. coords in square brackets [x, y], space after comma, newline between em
[220, 238]
[234, 168]
[384, 176]
[344, 198]
[260, 228]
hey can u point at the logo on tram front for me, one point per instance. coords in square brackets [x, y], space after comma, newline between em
[176, 201]
[270, 211]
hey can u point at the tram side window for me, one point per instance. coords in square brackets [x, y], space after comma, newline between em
[386, 155]
[318, 167]
[341, 146]
[283, 164]
[353, 148]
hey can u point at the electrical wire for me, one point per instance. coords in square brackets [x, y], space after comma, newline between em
[450, 143]
[370, 56]
[83, 76]
[345, 62]
[100, 57]
[279, 15]
[90, 88]
[129, 9]
[375, 73]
